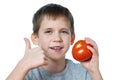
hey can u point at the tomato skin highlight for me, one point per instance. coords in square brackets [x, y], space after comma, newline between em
[80, 52]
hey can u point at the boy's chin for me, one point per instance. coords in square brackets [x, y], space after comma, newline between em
[57, 58]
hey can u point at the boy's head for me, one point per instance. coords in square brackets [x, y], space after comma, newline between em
[53, 11]
[53, 30]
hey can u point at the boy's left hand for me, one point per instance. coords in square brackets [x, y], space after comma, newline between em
[93, 64]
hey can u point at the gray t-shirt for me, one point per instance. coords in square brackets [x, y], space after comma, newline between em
[73, 71]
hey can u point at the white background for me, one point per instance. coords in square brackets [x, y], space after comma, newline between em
[97, 19]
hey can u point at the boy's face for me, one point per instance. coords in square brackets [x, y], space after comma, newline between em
[54, 37]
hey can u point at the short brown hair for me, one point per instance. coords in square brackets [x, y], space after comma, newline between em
[52, 10]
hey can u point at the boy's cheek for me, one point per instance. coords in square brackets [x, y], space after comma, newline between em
[68, 41]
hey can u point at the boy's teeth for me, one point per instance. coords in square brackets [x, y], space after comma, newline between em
[56, 48]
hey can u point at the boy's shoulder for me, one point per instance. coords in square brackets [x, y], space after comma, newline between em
[76, 70]
[76, 66]
[70, 65]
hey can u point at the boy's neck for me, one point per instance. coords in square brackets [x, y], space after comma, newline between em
[55, 66]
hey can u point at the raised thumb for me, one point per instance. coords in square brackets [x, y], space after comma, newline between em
[27, 42]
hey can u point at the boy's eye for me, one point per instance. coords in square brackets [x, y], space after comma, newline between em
[65, 32]
[48, 31]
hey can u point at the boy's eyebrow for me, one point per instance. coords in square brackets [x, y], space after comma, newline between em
[64, 28]
[47, 28]
[53, 28]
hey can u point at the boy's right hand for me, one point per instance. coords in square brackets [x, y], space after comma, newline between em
[34, 57]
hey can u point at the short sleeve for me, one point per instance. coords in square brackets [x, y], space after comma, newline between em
[28, 76]
[88, 76]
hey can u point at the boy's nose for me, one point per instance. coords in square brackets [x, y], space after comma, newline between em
[57, 37]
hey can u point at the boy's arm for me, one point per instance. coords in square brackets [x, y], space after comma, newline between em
[33, 58]
[93, 64]
[96, 75]
[19, 71]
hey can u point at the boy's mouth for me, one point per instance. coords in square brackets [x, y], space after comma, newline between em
[56, 48]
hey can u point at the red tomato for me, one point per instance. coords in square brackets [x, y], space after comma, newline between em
[80, 52]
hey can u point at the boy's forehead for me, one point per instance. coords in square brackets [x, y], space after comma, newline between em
[55, 17]
[60, 19]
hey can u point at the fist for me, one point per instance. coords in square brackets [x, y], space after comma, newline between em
[34, 57]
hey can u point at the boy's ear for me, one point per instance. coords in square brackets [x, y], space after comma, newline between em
[34, 39]
[72, 39]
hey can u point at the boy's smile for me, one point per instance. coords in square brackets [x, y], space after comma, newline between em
[56, 49]
[54, 36]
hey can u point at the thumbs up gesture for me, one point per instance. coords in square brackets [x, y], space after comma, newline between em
[34, 57]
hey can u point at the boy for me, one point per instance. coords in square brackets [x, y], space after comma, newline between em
[53, 32]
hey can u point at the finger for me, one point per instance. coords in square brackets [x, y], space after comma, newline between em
[27, 42]
[93, 43]
[95, 53]
[45, 61]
